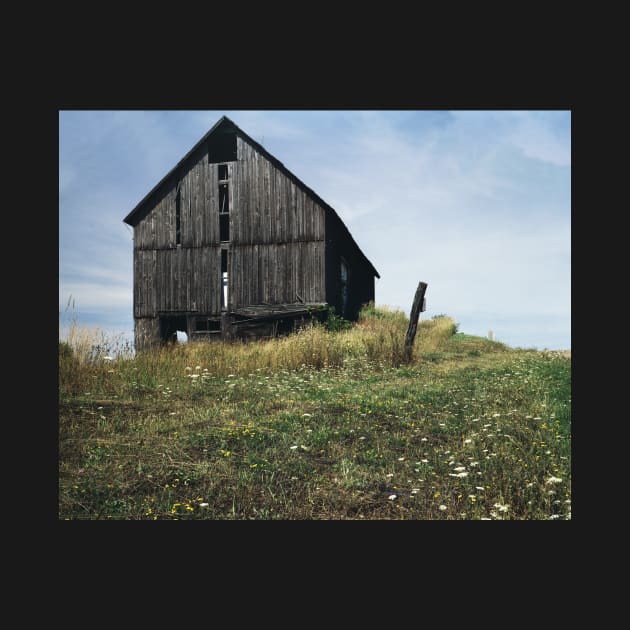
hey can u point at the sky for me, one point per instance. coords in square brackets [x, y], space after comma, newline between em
[477, 204]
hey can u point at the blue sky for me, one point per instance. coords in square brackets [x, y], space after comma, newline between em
[475, 203]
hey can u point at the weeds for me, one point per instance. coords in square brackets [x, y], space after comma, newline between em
[317, 425]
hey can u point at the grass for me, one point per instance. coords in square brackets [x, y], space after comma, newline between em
[318, 425]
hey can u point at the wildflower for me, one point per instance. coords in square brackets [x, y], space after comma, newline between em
[500, 507]
[529, 485]
[108, 358]
[496, 415]
[188, 369]
[415, 490]
[485, 518]
[400, 459]
[554, 480]
[389, 475]
[479, 488]
[442, 508]
[361, 438]
[442, 424]
[204, 505]
[391, 497]
[293, 447]
[554, 516]
[459, 468]
[423, 440]
[194, 375]
[467, 441]
[307, 415]
[424, 461]
[474, 463]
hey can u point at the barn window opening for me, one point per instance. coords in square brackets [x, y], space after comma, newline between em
[224, 279]
[224, 212]
[178, 216]
[203, 324]
[224, 199]
[222, 147]
[224, 227]
[343, 281]
[223, 172]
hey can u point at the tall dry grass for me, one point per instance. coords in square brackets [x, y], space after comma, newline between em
[377, 337]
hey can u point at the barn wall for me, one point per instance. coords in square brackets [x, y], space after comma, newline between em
[284, 247]
[277, 273]
[146, 333]
[361, 279]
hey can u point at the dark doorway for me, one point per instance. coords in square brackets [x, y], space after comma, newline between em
[170, 325]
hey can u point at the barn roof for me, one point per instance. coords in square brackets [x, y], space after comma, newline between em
[226, 124]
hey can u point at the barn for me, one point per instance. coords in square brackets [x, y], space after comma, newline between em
[231, 244]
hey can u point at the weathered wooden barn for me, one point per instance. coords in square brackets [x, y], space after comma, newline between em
[230, 243]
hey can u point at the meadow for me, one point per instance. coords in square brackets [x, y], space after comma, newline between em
[321, 424]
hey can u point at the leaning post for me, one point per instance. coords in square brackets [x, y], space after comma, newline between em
[418, 306]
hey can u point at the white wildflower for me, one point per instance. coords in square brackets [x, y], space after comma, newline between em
[293, 447]
[479, 488]
[554, 480]
[467, 441]
[461, 474]
[415, 490]
[108, 358]
[501, 507]
[474, 463]
[554, 516]
[459, 468]
[423, 440]
[307, 415]
[389, 475]
[401, 459]
[204, 505]
[391, 497]
[442, 507]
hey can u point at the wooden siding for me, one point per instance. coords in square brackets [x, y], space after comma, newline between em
[276, 273]
[199, 203]
[268, 207]
[177, 280]
[276, 240]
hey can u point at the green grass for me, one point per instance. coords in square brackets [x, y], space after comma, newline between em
[319, 425]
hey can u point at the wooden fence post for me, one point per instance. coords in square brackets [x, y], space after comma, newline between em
[418, 305]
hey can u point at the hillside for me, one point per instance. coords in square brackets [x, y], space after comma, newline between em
[318, 425]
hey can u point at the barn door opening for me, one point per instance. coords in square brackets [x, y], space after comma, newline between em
[343, 281]
[173, 329]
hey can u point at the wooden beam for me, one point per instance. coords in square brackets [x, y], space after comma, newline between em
[418, 302]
